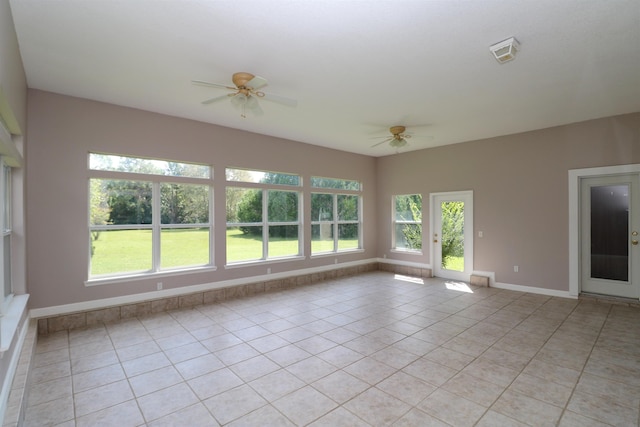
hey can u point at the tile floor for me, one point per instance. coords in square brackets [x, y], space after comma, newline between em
[370, 350]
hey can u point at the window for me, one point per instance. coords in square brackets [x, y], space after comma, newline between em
[5, 248]
[335, 215]
[148, 216]
[263, 215]
[407, 222]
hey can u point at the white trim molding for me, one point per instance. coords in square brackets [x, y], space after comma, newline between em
[534, 290]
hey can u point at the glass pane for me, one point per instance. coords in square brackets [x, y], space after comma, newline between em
[244, 244]
[452, 235]
[283, 241]
[6, 248]
[341, 184]
[283, 206]
[108, 162]
[119, 202]
[609, 232]
[322, 238]
[321, 207]
[409, 208]
[184, 247]
[244, 205]
[348, 236]
[184, 204]
[242, 175]
[120, 251]
[347, 208]
[409, 236]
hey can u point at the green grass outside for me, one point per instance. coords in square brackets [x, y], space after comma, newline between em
[127, 251]
[455, 263]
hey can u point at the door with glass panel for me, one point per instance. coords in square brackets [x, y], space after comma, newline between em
[452, 234]
[610, 223]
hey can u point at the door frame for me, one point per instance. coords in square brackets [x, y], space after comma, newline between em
[467, 196]
[575, 177]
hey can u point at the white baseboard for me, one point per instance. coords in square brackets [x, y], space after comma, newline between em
[534, 290]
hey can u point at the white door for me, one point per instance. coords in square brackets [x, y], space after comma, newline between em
[452, 235]
[609, 227]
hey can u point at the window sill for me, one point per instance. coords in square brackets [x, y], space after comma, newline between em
[252, 263]
[10, 321]
[406, 251]
[142, 276]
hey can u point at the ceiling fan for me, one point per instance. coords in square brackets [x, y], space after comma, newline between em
[245, 94]
[398, 138]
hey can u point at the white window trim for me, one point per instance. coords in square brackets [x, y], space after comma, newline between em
[335, 223]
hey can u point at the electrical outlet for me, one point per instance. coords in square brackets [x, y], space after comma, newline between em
[480, 234]
[159, 286]
[268, 270]
[516, 268]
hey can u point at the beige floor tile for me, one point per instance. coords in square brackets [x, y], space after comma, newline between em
[234, 403]
[214, 383]
[49, 413]
[452, 409]
[571, 419]
[377, 407]
[166, 401]
[469, 387]
[50, 390]
[277, 384]
[145, 364]
[370, 370]
[265, 416]
[102, 397]
[369, 350]
[304, 405]
[407, 388]
[340, 386]
[311, 369]
[339, 417]
[429, 371]
[601, 409]
[197, 366]
[152, 381]
[125, 414]
[97, 377]
[527, 409]
[495, 419]
[256, 367]
[417, 418]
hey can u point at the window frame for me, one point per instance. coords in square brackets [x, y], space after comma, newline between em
[156, 226]
[336, 191]
[5, 248]
[265, 223]
[395, 222]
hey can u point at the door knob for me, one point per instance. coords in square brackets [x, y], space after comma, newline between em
[634, 242]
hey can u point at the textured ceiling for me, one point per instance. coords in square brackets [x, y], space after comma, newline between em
[355, 67]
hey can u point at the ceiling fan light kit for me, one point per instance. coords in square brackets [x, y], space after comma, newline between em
[505, 50]
[245, 93]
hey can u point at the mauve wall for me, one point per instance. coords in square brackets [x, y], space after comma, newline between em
[520, 190]
[63, 130]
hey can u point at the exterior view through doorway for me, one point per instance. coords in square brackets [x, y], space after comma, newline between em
[452, 234]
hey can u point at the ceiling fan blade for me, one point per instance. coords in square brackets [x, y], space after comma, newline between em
[216, 99]
[383, 142]
[219, 86]
[257, 82]
[280, 100]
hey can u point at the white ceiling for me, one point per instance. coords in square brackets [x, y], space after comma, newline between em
[355, 67]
